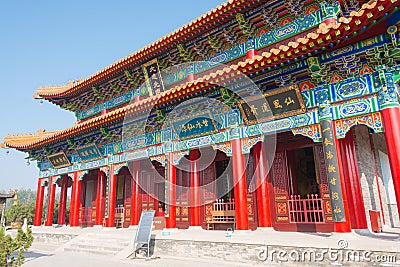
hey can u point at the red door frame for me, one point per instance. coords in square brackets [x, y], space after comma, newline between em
[302, 142]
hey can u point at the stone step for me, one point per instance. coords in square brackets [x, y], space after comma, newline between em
[102, 241]
[99, 246]
[110, 235]
[92, 251]
[105, 248]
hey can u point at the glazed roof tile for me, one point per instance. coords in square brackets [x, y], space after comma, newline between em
[227, 8]
[33, 141]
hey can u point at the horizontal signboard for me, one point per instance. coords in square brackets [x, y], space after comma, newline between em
[279, 103]
[191, 127]
[88, 153]
[59, 160]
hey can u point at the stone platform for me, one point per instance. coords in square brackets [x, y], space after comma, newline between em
[261, 247]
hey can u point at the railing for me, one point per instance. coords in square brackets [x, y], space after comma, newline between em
[119, 216]
[222, 213]
[85, 216]
[119, 209]
[306, 210]
[220, 204]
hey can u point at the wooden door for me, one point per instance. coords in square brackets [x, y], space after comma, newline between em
[182, 199]
[146, 199]
[323, 182]
[280, 188]
[207, 180]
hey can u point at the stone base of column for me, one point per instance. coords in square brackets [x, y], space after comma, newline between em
[97, 226]
[365, 232]
[133, 227]
[241, 232]
[195, 228]
[110, 228]
[168, 231]
[266, 229]
[344, 236]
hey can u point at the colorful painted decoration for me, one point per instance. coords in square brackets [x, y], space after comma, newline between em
[88, 153]
[202, 124]
[279, 103]
[153, 77]
[59, 160]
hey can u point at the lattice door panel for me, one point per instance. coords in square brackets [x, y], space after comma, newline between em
[320, 166]
[182, 199]
[207, 177]
[280, 185]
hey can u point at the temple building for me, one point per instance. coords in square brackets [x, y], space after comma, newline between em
[268, 113]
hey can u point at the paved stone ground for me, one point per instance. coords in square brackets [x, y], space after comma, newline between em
[192, 247]
[38, 257]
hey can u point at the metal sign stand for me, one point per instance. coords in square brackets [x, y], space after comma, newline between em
[143, 233]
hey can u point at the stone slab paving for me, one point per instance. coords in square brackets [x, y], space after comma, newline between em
[197, 247]
[38, 257]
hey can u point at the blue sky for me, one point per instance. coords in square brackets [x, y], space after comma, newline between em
[53, 42]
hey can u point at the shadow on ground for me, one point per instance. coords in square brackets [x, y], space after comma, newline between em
[35, 255]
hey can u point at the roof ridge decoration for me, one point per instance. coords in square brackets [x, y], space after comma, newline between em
[266, 57]
[22, 137]
[56, 88]
[150, 48]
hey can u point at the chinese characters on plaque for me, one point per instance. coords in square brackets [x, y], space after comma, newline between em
[59, 160]
[333, 173]
[166, 191]
[279, 103]
[107, 193]
[202, 124]
[153, 77]
[88, 153]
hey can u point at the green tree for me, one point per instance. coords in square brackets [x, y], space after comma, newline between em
[19, 211]
[11, 247]
[26, 196]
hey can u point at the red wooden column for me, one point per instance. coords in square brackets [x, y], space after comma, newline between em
[102, 197]
[112, 198]
[50, 204]
[240, 186]
[260, 165]
[391, 118]
[171, 219]
[358, 217]
[72, 202]
[99, 197]
[135, 211]
[63, 200]
[251, 54]
[76, 197]
[194, 188]
[39, 204]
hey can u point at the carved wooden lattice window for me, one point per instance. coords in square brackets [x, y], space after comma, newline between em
[278, 174]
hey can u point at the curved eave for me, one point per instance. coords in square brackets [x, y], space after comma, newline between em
[212, 18]
[3, 196]
[302, 46]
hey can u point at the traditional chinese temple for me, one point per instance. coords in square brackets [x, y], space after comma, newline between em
[315, 148]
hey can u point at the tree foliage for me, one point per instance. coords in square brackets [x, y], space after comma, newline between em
[26, 196]
[12, 249]
[19, 211]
